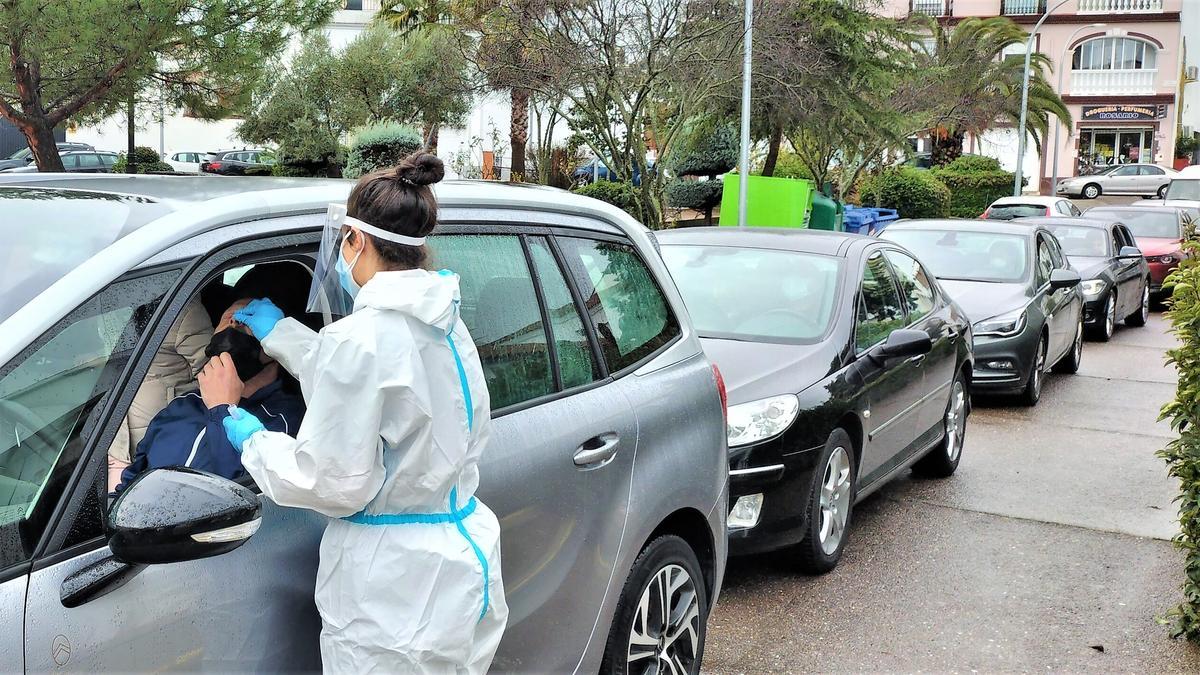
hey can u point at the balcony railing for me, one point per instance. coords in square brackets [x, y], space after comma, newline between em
[1112, 82]
[1120, 6]
[364, 5]
[1022, 7]
[930, 7]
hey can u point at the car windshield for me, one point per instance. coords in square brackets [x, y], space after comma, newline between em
[756, 295]
[1184, 189]
[48, 233]
[1144, 222]
[21, 154]
[1011, 211]
[967, 255]
[1081, 241]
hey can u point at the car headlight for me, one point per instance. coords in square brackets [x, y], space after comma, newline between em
[1092, 287]
[1002, 325]
[1164, 259]
[762, 419]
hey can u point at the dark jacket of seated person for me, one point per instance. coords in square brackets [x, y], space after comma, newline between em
[190, 432]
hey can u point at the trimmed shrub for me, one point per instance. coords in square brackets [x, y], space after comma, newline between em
[146, 160]
[972, 192]
[972, 163]
[620, 195]
[702, 195]
[913, 192]
[711, 154]
[290, 166]
[1182, 454]
[379, 146]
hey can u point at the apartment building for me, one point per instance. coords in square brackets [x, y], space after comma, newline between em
[1117, 65]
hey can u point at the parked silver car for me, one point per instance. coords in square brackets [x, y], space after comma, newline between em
[607, 468]
[1148, 180]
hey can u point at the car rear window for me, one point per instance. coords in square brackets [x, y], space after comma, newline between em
[1183, 189]
[1011, 211]
[756, 295]
[968, 256]
[47, 233]
[1143, 222]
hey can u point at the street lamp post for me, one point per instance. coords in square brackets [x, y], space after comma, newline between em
[744, 160]
[1017, 175]
[1062, 61]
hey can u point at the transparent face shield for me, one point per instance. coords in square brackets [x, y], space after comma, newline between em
[327, 294]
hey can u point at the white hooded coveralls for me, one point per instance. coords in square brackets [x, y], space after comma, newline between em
[398, 413]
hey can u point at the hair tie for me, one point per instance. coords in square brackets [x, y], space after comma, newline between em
[406, 181]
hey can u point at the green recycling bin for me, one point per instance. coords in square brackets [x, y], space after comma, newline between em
[826, 214]
[770, 202]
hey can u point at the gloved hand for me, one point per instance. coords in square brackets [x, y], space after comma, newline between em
[260, 316]
[240, 426]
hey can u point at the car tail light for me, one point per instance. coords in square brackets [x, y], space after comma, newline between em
[721, 392]
[1047, 211]
[213, 166]
[986, 211]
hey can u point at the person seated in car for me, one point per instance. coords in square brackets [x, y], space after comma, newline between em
[189, 431]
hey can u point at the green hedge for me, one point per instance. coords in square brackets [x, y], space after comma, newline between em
[146, 161]
[710, 154]
[379, 146]
[972, 163]
[620, 195]
[972, 192]
[915, 193]
[1182, 454]
[788, 165]
[695, 194]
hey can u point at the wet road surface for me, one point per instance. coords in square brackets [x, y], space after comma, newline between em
[1048, 550]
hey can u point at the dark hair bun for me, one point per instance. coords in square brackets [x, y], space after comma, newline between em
[421, 168]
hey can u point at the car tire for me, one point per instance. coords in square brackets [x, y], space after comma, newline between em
[1103, 331]
[829, 506]
[1142, 314]
[640, 635]
[1032, 393]
[942, 461]
[1091, 191]
[1069, 364]
[1162, 191]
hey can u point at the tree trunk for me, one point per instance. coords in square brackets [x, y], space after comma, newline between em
[518, 132]
[708, 216]
[773, 151]
[40, 137]
[947, 147]
[130, 135]
[431, 136]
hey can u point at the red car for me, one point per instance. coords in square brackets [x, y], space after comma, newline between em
[1160, 232]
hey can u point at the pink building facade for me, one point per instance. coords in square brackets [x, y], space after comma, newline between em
[1117, 65]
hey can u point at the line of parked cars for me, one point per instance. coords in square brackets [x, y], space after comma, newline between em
[83, 158]
[660, 402]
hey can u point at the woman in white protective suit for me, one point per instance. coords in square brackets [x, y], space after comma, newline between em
[398, 414]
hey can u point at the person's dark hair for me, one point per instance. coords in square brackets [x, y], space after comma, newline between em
[399, 200]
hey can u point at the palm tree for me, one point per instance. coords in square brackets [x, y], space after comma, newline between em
[976, 88]
[408, 17]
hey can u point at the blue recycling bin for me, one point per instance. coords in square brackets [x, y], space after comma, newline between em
[858, 220]
[882, 218]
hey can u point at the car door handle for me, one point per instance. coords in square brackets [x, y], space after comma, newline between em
[597, 450]
[917, 360]
[952, 333]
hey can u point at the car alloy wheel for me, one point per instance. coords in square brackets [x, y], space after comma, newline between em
[1162, 192]
[665, 637]
[1091, 191]
[956, 420]
[1144, 311]
[835, 500]
[1033, 386]
[1110, 316]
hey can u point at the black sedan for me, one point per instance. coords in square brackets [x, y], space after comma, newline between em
[1014, 282]
[845, 364]
[1116, 278]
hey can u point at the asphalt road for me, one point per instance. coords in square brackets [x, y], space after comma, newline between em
[1049, 549]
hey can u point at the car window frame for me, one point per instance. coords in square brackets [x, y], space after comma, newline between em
[1038, 240]
[936, 298]
[91, 473]
[859, 300]
[581, 305]
[78, 489]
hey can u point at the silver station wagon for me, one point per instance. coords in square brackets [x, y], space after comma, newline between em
[607, 467]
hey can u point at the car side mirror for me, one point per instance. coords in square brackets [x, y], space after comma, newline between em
[1064, 278]
[903, 343]
[176, 514]
[1130, 253]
